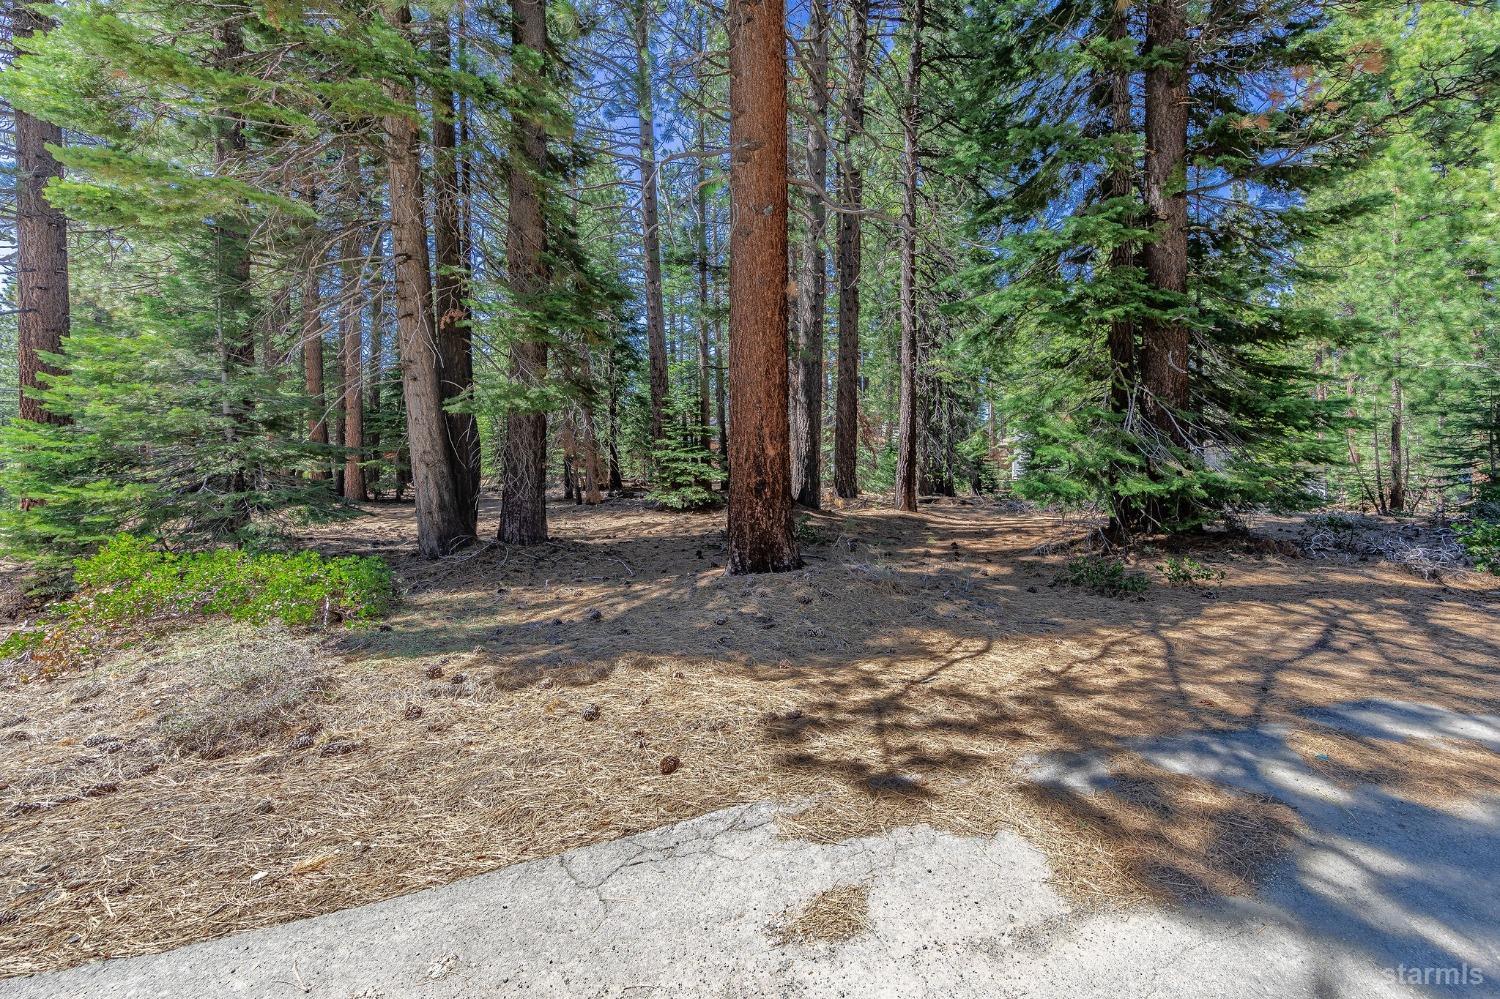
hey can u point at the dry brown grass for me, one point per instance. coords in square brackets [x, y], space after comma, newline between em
[1439, 773]
[1158, 836]
[841, 913]
[900, 678]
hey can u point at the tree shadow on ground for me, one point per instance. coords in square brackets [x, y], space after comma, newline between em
[930, 657]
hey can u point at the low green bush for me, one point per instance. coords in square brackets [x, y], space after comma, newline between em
[1184, 570]
[131, 580]
[1105, 575]
[1481, 539]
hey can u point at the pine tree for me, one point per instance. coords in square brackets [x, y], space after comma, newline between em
[41, 243]
[851, 207]
[760, 498]
[523, 515]
[806, 388]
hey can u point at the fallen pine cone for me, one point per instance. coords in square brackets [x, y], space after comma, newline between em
[412, 712]
[591, 713]
[342, 748]
[669, 764]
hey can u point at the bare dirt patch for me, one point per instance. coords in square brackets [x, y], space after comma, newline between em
[527, 701]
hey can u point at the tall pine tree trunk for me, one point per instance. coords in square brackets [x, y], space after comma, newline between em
[908, 432]
[851, 205]
[451, 282]
[721, 365]
[656, 334]
[760, 495]
[1164, 346]
[311, 332]
[523, 502]
[377, 367]
[41, 245]
[700, 208]
[352, 336]
[807, 379]
[444, 521]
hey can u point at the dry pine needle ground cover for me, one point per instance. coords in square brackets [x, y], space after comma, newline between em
[524, 702]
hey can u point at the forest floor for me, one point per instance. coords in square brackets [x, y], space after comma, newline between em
[921, 670]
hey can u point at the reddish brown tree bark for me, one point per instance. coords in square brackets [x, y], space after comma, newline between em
[444, 522]
[760, 495]
[523, 503]
[848, 253]
[1164, 343]
[352, 336]
[41, 246]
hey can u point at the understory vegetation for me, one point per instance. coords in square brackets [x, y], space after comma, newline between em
[133, 582]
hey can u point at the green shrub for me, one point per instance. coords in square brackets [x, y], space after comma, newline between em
[1481, 539]
[682, 469]
[130, 581]
[1184, 570]
[1105, 575]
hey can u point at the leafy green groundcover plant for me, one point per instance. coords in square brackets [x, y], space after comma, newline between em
[1481, 539]
[1184, 570]
[1104, 575]
[131, 581]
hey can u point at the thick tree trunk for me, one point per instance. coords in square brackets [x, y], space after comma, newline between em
[1164, 346]
[444, 521]
[656, 333]
[352, 335]
[41, 246]
[760, 495]
[851, 205]
[807, 379]
[907, 431]
[451, 283]
[523, 503]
